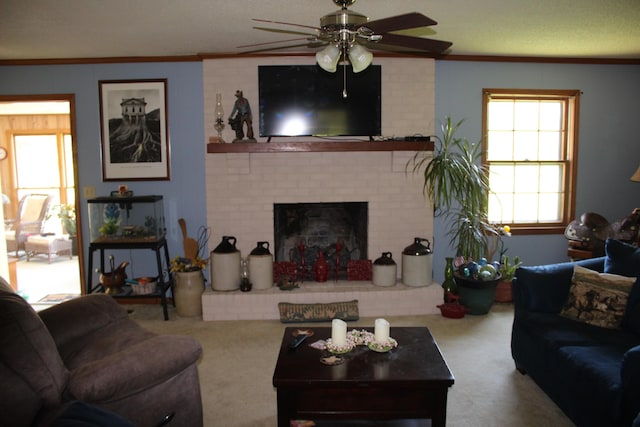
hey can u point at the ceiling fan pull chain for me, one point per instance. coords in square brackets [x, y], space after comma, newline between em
[344, 74]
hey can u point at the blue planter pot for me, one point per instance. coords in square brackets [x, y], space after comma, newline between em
[477, 295]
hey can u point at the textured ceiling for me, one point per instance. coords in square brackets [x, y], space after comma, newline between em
[45, 29]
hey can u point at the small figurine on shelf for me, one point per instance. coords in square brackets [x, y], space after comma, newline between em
[122, 191]
[241, 115]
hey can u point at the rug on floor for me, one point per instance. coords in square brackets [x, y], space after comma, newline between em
[57, 298]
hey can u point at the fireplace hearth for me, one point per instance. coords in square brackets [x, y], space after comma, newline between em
[337, 229]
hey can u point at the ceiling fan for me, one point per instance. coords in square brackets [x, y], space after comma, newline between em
[349, 34]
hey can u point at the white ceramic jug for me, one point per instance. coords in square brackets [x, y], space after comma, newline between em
[417, 264]
[261, 266]
[225, 265]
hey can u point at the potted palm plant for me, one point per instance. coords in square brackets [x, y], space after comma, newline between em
[457, 186]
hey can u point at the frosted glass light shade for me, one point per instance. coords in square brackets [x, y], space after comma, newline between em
[636, 176]
[359, 57]
[328, 58]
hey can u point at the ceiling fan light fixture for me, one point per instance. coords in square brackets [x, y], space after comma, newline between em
[328, 58]
[359, 57]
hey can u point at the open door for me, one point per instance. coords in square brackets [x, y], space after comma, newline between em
[37, 132]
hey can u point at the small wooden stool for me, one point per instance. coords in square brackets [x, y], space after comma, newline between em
[49, 245]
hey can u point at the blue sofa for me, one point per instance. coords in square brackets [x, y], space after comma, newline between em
[592, 373]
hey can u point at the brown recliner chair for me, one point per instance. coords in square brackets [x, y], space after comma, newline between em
[89, 350]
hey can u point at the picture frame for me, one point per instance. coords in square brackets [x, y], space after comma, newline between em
[134, 130]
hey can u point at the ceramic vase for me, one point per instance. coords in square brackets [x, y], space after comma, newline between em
[321, 268]
[187, 291]
[449, 284]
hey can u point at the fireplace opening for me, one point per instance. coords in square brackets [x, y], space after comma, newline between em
[338, 229]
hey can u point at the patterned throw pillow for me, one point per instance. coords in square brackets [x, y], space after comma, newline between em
[596, 298]
[318, 312]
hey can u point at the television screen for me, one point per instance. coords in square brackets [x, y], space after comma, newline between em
[305, 100]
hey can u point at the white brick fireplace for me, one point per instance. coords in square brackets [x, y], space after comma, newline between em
[242, 187]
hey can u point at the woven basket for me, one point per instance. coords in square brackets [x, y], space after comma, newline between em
[143, 288]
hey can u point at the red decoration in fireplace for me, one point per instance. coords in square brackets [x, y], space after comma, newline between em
[338, 249]
[321, 268]
[284, 268]
[359, 269]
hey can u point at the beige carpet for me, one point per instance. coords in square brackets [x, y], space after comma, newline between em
[239, 358]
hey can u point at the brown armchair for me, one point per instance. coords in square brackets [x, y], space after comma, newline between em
[89, 350]
[32, 214]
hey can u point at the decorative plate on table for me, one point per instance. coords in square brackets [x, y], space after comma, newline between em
[341, 349]
[383, 347]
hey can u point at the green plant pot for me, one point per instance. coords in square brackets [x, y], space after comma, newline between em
[477, 295]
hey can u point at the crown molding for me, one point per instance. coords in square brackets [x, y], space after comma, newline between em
[209, 56]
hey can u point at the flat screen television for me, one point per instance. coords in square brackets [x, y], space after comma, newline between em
[305, 100]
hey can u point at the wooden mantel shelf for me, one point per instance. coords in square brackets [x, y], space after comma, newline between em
[318, 146]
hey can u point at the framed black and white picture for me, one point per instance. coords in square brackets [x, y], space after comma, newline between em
[135, 137]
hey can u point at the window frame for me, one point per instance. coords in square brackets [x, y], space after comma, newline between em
[569, 150]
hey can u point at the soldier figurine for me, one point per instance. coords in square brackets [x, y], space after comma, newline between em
[241, 115]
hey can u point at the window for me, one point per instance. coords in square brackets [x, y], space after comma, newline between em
[44, 164]
[531, 149]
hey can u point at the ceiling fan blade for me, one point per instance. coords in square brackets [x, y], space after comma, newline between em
[273, 48]
[286, 23]
[400, 22]
[274, 42]
[395, 41]
[279, 30]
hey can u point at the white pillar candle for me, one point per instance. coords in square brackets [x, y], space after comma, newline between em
[381, 333]
[338, 332]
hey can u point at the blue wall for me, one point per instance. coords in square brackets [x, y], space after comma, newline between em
[184, 194]
[609, 149]
[609, 141]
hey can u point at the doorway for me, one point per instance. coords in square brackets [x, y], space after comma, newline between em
[37, 133]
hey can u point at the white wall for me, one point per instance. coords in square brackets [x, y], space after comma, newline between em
[242, 188]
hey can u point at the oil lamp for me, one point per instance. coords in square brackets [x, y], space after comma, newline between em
[219, 112]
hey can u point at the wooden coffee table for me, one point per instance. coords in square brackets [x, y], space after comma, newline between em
[409, 382]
